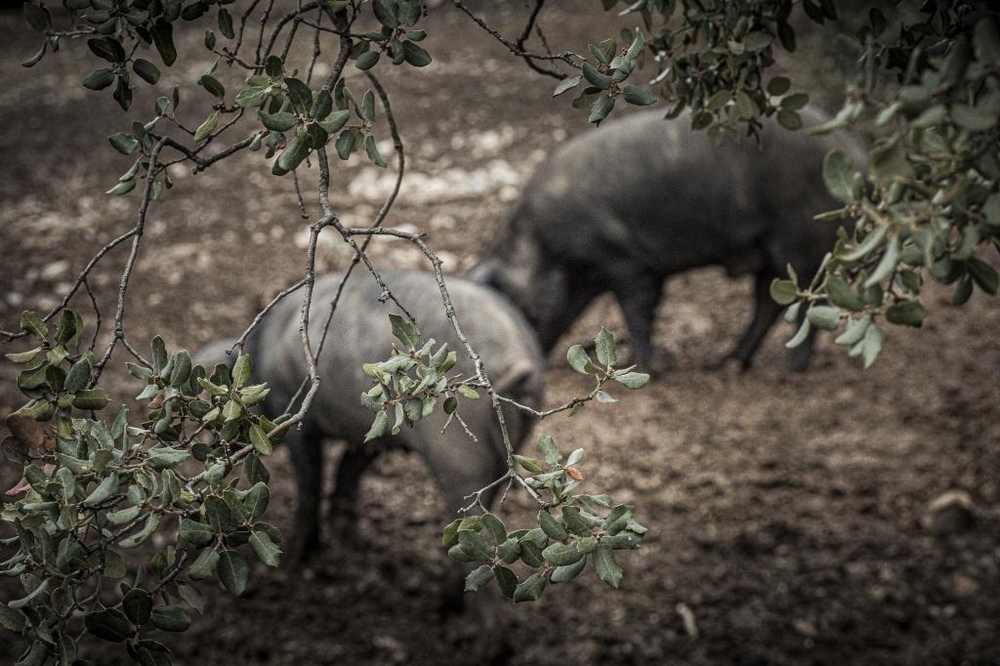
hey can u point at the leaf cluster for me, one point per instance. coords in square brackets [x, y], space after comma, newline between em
[934, 197]
[571, 530]
[92, 491]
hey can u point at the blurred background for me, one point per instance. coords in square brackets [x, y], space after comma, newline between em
[792, 517]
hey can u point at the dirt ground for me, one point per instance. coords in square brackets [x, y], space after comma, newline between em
[786, 512]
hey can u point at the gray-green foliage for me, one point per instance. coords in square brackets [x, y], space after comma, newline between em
[927, 85]
[933, 202]
[570, 527]
[190, 475]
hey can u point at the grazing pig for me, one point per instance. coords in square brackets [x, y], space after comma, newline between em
[360, 332]
[622, 207]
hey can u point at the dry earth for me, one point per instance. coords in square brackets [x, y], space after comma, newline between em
[785, 512]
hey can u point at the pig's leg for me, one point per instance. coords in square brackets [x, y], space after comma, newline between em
[344, 499]
[639, 295]
[766, 311]
[307, 459]
[462, 468]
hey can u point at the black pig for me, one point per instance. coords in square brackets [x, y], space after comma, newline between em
[361, 332]
[623, 207]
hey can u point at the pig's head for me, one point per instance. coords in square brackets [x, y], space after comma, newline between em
[540, 288]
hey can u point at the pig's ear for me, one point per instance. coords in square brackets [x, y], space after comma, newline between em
[485, 273]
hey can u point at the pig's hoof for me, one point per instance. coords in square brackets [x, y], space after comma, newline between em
[728, 364]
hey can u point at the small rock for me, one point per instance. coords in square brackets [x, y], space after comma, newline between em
[687, 617]
[805, 628]
[392, 647]
[950, 513]
[963, 586]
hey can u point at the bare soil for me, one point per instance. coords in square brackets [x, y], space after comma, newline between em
[786, 512]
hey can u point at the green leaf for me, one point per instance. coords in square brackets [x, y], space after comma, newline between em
[506, 579]
[205, 564]
[560, 554]
[529, 464]
[103, 490]
[137, 605]
[334, 122]
[373, 153]
[267, 551]
[596, 78]
[241, 371]
[871, 241]
[346, 143]
[638, 95]
[385, 12]
[34, 324]
[842, 294]
[415, 54]
[531, 553]
[600, 109]
[871, 345]
[212, 85]
[605, 347]
[99, 79]
[549, 450]
[146, 70]
[838, 175]
[474, 545]
[608, 570]
[252, 96]
[478, 578]
[531, 589]
[984, 275]
[574, 521]
[468, 392]
[380, 426]
[207, 127]
[578, 359]
[906, 313]
[789, 119]
[38, 17]
[854, 331]
[11, 619]
[226, 23]
[800, 336]
[824, 316]
[170, 618]
[367, 60]
[107, 48]
[299, 93]
[109, 624]
[163, 39]
[632, 380]
[195, 533]
[91, 399]
[123, 143]
[887, 264]
[974, 119]
[567, 572]
[405, 331]
[783, 292]
[233, 571]
[260, 441]
[152, 522]
[551, 526]
[779, 85]
[292, 155]
[568, 83]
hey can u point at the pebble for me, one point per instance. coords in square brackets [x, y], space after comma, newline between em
[949, 513]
